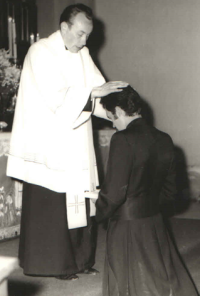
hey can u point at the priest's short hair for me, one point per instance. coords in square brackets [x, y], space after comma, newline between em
[71, 11]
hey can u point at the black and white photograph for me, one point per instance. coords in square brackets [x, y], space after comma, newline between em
[99, 148]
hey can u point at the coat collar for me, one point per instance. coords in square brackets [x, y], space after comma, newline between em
[134, 122]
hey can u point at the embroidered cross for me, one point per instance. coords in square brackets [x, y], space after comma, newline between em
[76, 204]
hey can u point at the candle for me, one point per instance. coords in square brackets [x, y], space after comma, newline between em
[13, 11]
[7, 17]
[27, 26]
[10, 36]
[32, 39]
[22, 23]
[14, 40]
[37, 37]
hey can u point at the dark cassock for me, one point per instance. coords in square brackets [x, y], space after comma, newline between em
[52, 151]
[140, 256]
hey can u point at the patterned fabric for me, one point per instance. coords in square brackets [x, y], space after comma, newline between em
[10, 191]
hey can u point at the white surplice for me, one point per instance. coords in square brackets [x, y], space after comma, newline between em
[52, 143]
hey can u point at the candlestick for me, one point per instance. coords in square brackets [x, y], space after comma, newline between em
[14, 41]
[32, 39]
[10, 36]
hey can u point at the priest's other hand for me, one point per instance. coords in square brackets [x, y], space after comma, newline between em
[93, 200]
[108, 88]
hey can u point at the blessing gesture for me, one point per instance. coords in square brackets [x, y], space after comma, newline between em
[108, 88]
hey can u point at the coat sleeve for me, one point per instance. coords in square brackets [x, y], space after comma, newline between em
[169, 189]
[113, 192]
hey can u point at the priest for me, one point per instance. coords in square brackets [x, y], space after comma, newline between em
[52, 151]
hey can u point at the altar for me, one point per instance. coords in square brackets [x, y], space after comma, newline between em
[10, 195]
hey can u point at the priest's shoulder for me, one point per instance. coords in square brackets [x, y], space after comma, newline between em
[39, 48]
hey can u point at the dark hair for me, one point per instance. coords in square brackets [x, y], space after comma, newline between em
[128, 100]
[72, 10]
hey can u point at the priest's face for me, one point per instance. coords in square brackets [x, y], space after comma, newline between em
[75, 35]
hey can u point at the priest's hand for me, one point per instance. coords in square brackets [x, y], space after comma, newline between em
[93, 195]
[108, 88]
[93, 200]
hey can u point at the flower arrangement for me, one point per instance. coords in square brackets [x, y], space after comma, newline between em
[9, 73]
[9, 83]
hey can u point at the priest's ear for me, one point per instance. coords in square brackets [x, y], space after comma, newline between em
[64, 27]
